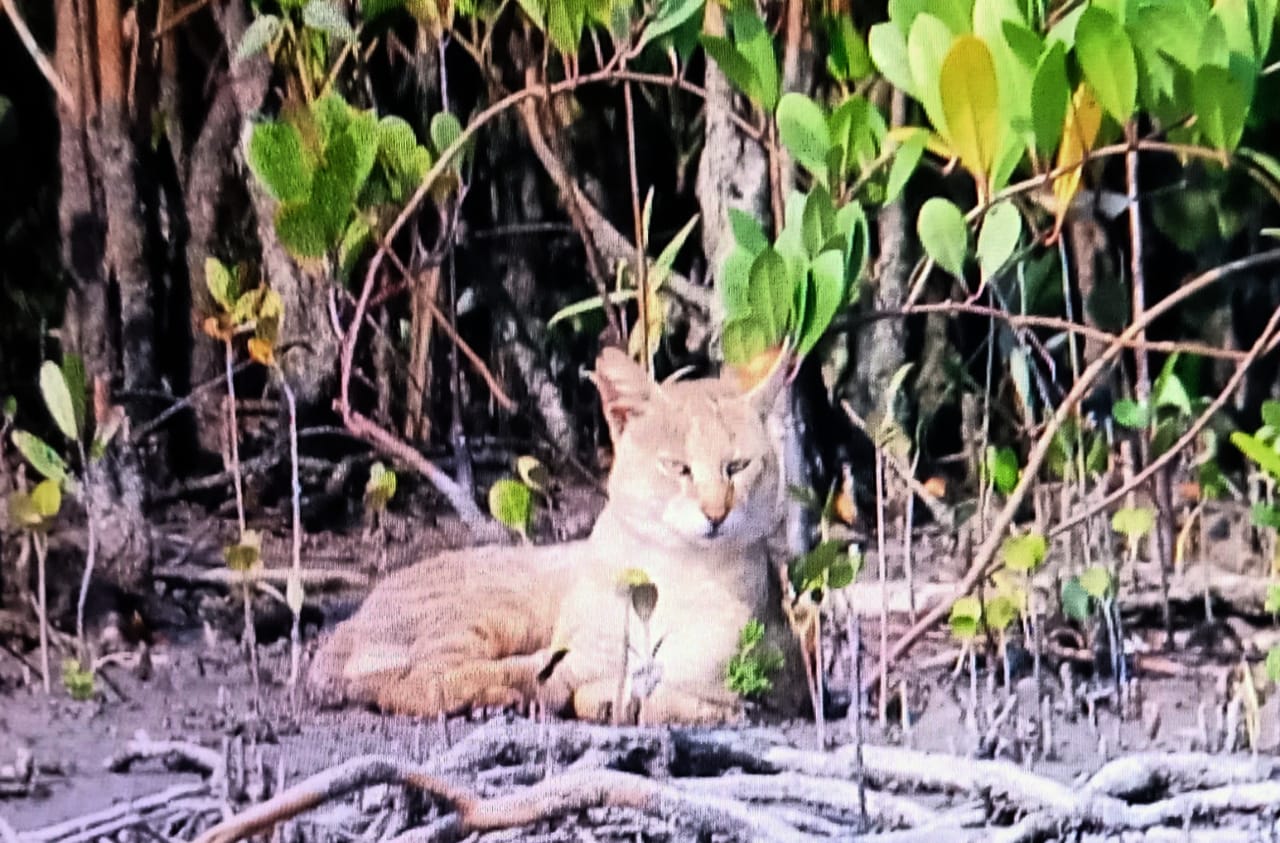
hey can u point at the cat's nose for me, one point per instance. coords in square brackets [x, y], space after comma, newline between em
[715, 515]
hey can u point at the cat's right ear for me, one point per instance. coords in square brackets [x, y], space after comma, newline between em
[624, 388]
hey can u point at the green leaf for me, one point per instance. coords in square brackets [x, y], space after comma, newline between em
[755, 45]
[327, 16]
[1265, 515]
[1024, 553]
[812, 570]
[966, 618]
[1169, 390]
[78, 386]
[1131, 414]
[258, 36]
[405, 160]
[1050, 93]
[1001, 230]
[1002, 468]
[511, 503]
[847, 59]
[57, 398]
[1273, 664]
[371, 10]
[1106, 57]
[747, 232]
[303, 230]
[1096, 582]
[970, 97]
[670, 16]
[944, 235]
[276, 158]
[1271, 414]
[826, 297]
[1258, 451]
[1221, 106]
[732, 64]
[41, 456]
[1272, 604]
[857, 132]
[770, 294]
[1000, 611]
[1133, 522]
[928, 45]
[905, 159]
[803, 129]
[9, 408]
[222, 285]
[888, 49]
[1075, 600]
[743, 339]
[445, 131]
[566, 20]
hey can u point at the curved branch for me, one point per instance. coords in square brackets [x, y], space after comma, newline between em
[1004, 519]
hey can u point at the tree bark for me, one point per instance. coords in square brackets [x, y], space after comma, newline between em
[733, 171]
[310, 357]
[880, 347]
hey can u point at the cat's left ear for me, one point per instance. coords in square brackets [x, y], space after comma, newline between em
[625, 388]
[769, 396]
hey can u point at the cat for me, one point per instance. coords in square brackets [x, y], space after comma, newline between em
[695, 493]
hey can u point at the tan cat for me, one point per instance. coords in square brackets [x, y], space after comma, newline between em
[694, 494]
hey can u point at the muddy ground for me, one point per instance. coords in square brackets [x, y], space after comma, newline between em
[193, 685]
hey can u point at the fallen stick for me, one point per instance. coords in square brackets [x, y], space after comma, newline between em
[311, 577]
[143, 748]
[89, 822]
[553, 798]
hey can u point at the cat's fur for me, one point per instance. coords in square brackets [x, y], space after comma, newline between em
[695, 493]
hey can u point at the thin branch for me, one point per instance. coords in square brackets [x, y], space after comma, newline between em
[45, 67]
[1267, 341]
[1035, 459]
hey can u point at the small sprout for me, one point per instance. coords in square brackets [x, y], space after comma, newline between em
[78, 681]
[1000, 611]
[1133, 522]
[246, 555]
[1024, 553]
[966, 618]
[1096, 582]
[511, 503]
[533, 473]
[749, 672]
[644, 598]
[10, 408]
[1075, 600]
[380, 488]
[631, 577]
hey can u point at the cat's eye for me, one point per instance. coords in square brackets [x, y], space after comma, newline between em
[675, 468]
[735, 467]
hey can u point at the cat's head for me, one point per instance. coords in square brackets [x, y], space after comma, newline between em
[695, 462]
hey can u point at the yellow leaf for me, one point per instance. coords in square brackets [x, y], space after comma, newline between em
[261, 351]
[971, 105]
[656, 315]
[755, 370]
[1079, 133]
[47, 498]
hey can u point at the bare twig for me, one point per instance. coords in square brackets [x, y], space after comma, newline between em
[45, 67]
[986, 553]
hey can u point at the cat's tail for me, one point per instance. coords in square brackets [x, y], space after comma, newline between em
[463, 630]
